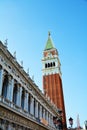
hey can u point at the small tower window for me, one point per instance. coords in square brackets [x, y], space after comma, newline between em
[53, 63]
[46, 65]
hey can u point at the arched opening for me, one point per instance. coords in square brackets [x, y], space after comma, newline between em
[23, 98]
[5, 86]
[29, 102]
[15, 94]
[48, 64]
[51, 64]
[39, 110]
[34, 106]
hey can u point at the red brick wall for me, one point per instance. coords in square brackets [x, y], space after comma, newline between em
[53, 88]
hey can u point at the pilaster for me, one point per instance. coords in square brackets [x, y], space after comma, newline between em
[49, 118]
[11, 90]
[36, 110]
[19, 93]
[26, 101]
[43, 113]
[40, 112]
[9, 87]
[9, 127]
[1, 80]
[32, 106]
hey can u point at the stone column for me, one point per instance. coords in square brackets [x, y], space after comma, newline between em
[1, 80]
[51, 121]
[44, 113]
[36, 110]
[49, 118]
[29, 102]
[19, 93]
[9, 127]
[40, 112]
[26, 102]
[9, 86]
[32, 106]
[11, 90]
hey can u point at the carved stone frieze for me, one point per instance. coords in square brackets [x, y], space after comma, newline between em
[17, 119]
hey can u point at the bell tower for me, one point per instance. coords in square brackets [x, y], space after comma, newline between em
[52, 79]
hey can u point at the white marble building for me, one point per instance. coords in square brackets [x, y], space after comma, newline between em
[22, 104]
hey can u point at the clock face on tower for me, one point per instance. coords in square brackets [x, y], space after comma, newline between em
[49, 54]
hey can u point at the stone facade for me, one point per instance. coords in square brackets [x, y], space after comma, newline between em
[22, 104]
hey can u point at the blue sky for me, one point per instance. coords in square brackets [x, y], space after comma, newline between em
[25, 23]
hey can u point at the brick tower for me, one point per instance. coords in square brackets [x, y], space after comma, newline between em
[52, 81]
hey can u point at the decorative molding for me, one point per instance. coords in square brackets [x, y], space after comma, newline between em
[16, 119]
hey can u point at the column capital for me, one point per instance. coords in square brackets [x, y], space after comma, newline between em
[26, 93]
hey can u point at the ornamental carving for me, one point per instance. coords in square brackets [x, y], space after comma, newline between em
[20, 120]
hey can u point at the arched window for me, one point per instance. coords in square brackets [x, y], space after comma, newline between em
[15, 93]
[45, 114]
[34, 106]
[51, 64]
[39, 110]
[22, 98]
[5, 86]
[29, 102]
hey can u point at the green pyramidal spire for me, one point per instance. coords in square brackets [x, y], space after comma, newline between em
[49, 44]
